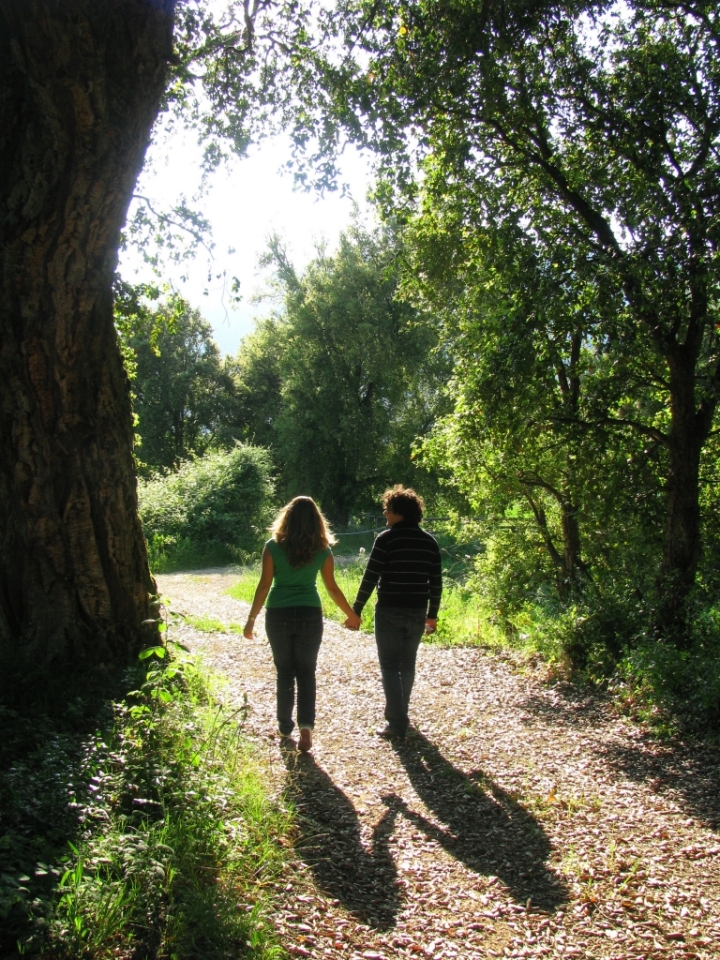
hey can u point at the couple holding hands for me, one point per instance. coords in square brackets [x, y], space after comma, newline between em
[404, 566]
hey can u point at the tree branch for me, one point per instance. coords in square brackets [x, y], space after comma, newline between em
[164, 218]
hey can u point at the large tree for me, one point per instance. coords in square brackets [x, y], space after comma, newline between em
[81, 84]
[543, 398]
[344, 376]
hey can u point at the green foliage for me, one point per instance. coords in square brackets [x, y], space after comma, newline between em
[183, 393]
[257, 372]
[213, 509]
[154, 836]
[675, 690]
[539, 439]
[602, 640]
[132, 313]
[515, 566]
[586, 137]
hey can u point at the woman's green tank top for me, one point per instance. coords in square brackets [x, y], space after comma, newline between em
[294, 588]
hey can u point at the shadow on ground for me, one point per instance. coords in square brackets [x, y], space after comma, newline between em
[330, 843]
[483, 827]
[568, 706]
[685, 772]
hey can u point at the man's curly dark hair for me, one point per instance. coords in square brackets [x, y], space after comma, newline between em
[405, 502]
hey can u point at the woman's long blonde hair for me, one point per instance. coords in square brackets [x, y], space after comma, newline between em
[302, 531]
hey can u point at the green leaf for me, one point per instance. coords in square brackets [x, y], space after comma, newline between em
[152, 651]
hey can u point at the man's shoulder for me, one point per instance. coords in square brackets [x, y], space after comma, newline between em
[383, 536]
[430, 538]
[413, 533]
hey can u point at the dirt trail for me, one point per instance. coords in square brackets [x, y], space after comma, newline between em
[520, 819]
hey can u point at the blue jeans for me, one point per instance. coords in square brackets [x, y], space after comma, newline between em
[295, 634]
[398, 632]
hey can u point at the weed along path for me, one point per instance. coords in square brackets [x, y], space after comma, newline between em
[520, 820]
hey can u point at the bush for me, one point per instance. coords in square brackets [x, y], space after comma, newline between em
[607, 639]
[211, 510]
[513, 570]
[676, 689]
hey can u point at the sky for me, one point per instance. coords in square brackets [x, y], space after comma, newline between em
[245, 205]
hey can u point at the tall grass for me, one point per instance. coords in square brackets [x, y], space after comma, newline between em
[169, 845]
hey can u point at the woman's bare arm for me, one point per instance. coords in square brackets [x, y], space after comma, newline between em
[261, 591]
[328, 574]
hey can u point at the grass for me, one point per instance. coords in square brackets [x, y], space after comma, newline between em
[154, 836]
[463, 620]
[209, 625]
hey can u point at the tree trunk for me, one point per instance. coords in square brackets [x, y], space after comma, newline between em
[689, 429]
[81, 84]
[572, 554]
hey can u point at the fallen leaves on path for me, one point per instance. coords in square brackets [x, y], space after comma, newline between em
[519, 819]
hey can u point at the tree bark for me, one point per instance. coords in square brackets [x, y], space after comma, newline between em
[572, 554]
[689, 429]
[81, 83]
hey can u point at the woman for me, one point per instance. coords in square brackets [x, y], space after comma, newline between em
[291, 560]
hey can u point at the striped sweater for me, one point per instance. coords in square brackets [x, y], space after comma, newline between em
[405, 566]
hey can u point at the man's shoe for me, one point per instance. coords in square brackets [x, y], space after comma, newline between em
[389, 733]
[305, 741]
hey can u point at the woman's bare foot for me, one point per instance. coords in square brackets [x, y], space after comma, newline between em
[305, 742]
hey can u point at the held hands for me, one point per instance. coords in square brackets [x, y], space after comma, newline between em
[353, 622]
[430, 625]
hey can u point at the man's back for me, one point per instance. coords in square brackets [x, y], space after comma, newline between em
[405, 566]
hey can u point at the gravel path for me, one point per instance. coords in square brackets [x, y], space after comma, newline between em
[521, 819]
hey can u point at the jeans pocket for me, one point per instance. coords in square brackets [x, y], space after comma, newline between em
[311, 631]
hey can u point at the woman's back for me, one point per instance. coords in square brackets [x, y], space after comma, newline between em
[294, 586]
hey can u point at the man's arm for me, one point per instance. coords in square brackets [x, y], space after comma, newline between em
[435, 586]
[375, 564]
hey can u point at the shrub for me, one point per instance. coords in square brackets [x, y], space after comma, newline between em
[678, 690]
[213, 509]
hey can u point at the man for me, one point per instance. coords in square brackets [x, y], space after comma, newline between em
[405, 566]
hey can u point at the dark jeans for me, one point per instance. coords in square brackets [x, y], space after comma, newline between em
[295, 634]
[398, 632]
